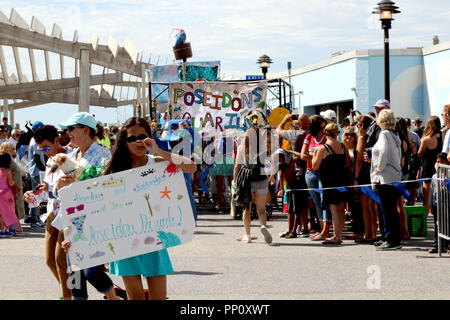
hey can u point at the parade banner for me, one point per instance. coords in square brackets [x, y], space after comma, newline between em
[216, 105]
[126, 214]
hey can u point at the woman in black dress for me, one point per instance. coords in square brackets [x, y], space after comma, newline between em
[430, 147]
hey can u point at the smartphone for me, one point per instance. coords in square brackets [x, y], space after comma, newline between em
[369, 152]
[295, 116]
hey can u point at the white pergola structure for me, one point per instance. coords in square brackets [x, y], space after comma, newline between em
[84, 89]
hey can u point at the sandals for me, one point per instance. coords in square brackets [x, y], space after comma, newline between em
[433, 250]
[332, 241]
[354, 236]
[291, 235]
[283, 234]
[317, 238]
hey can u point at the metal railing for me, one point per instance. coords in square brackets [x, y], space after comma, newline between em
[443, 205]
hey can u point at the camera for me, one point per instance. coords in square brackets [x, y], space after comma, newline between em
[295, 116]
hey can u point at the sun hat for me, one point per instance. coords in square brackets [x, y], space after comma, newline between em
[36, 125]
[84, 118]
[382, 103]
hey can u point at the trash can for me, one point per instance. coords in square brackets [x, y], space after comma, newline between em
[417, 220]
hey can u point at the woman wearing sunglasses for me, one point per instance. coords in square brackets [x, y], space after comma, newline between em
[82, 128]
[133, 143]
[312, 142]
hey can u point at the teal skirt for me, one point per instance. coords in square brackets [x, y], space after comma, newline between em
[152, 264]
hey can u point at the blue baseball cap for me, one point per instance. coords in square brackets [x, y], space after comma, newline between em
[36, 125]
[84, 118]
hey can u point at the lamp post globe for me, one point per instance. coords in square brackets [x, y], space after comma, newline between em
[264, 61]
[386, 8]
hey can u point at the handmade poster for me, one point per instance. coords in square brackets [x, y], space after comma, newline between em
[126, 214]
[216, 105]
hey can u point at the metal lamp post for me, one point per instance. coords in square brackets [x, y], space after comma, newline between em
[386, 9]
[264, 61]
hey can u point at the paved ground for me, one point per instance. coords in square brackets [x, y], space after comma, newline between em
[216, 266]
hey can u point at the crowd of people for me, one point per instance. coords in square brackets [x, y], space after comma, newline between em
[321, 162]
[311, 162]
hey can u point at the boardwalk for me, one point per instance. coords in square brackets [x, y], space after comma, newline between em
[216, 266]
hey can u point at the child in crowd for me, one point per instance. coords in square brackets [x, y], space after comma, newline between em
[133, 143]
[7, 185]
[441, 159]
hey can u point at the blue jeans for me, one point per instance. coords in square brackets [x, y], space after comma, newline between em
[313, 182]
[188, 180]
[389, 214]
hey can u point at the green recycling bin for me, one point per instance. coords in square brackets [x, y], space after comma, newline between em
[416, 217]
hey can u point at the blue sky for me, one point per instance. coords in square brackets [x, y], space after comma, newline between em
[234, 32]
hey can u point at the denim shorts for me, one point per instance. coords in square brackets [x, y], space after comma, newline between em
[313, 182]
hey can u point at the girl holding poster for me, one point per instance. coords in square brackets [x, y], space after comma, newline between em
[133, 142]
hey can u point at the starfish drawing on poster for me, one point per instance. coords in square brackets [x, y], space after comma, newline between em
[149, 213]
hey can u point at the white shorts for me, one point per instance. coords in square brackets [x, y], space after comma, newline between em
[260, 187]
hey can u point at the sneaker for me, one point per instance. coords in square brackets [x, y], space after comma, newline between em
[266, 234]
[386, 246]
[378, 243]
[246, 239]
[37, 225]
[299, 230]
[6, 234]
[304, 234]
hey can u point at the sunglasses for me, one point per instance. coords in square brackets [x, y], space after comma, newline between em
[349, 134]
[71, 128]
[46, 149]
[141, 137]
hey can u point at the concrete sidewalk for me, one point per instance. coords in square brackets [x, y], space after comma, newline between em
[216, 266]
